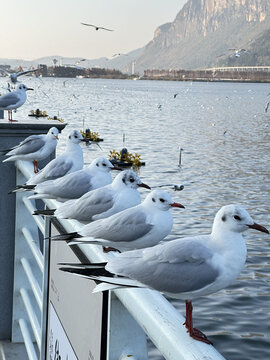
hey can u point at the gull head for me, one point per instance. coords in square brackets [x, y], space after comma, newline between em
[102, 164]
[130, 179]
[75, 137]
[53, 133]
[161, 200]
[235, 218]
[22, 87]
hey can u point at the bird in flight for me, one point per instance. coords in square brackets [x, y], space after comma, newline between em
[14, 76]
[97, 27]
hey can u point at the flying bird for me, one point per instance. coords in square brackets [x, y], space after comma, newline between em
[185, 268]
[97, 27]
[14, 76]
[13, 100]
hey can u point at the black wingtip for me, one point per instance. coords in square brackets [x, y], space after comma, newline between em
[65, 237]
[47, 212]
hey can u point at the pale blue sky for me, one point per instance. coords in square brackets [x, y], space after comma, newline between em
[31, 29]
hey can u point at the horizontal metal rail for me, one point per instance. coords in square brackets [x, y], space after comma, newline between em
[32, 316]
[33, 282]
[38, 219]
[30, 349]
[158, 318]
[34, 248]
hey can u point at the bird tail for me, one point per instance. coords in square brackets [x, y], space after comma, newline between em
[47, 212]
[23, 188]
[98, 273]
[65, 237]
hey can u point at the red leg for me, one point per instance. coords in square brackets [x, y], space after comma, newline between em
[10, 116]
[35, 167]
[194, 333]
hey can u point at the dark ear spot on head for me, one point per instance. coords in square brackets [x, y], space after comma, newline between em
[124, 180]
[223, 218]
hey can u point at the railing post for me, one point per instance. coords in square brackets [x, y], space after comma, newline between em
[126, 339]
[22, 250]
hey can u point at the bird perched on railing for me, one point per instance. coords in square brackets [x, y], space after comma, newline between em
[185, 268]
[33, 148]
[105, 201]
[13, 100]
[69, 161]
[76, 184]
[137, 227]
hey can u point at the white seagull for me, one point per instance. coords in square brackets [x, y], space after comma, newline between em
[184, 268]
[102, 202]
[13, 100]
[14, 76]
[140, 226]
[76, 184]
[33, 148]
[69, 161]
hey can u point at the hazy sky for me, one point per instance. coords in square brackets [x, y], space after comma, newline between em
[31, 29]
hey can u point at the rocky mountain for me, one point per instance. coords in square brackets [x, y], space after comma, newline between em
[209, 33]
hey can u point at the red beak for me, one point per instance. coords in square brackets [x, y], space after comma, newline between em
[259, 228]
[175, 204]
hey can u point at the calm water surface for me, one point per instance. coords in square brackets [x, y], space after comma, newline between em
[217, 169]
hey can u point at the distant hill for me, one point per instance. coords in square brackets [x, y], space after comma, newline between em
[121, 62]
[204, 31]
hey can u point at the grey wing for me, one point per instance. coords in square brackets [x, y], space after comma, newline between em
[56, 168]
[30, 145]
[127, 225]
[26, 72]
[176, 266]
[93, 203]
[71, 186]
[8, 99]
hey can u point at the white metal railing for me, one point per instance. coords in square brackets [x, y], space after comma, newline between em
[155, 315]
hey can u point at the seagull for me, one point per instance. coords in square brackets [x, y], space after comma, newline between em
[76, 184]
[174, 96]
[33, 148]
[137, 227]
[105, 201]
[175, 187]
[14, 76]
[69, 161]
[13, 100]
[185, 268]
[267, 106]
[97, 27]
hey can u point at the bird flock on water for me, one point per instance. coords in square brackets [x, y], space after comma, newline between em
[114, 217]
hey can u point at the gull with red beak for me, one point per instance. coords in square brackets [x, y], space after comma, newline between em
[184, 268]
[33, 148]
[105, 201]
[140, 226]
[13, 100]
[76, 184]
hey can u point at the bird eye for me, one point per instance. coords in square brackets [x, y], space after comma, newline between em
[131, 180]
[161, 200]
[103, 164]
[237, 218]
[153, 199]
[75, 136]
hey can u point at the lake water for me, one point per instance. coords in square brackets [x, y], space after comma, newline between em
[217, 169]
